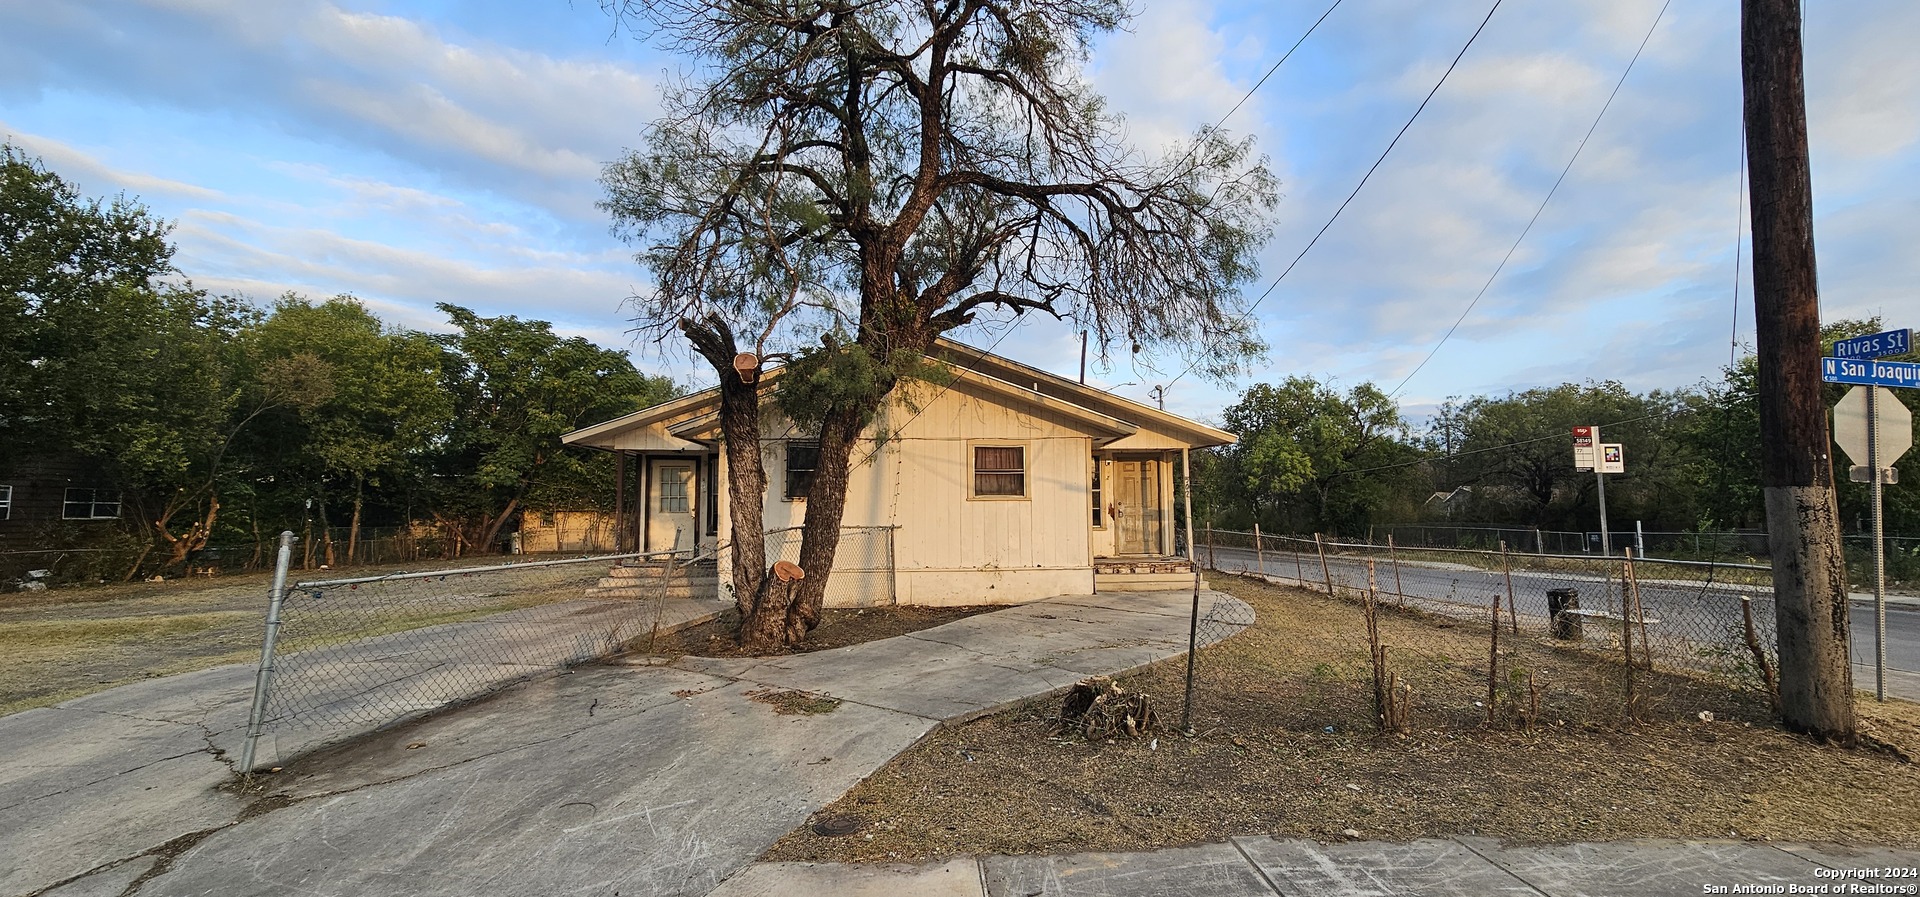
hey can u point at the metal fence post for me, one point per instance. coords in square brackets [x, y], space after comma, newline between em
[256, 718]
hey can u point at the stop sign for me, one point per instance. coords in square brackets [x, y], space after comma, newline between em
[1894, 430]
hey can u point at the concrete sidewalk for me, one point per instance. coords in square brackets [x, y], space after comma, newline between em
[1457, 867]
[610, 779]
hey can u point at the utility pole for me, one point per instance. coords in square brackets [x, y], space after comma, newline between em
[1796, 470]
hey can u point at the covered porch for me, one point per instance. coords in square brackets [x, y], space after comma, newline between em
[1137, 531]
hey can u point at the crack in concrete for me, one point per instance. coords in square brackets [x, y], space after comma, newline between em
[97, 781]
[165, 855]
[596, 723]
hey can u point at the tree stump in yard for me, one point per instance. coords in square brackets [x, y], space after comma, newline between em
[1097, 708]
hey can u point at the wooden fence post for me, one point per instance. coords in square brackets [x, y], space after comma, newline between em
[1398, 589]
[1506, 567]
[1325, 573]
[1493, 661]
[1259, 554]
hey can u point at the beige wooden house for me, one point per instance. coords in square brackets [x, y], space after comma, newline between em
[1007, 484]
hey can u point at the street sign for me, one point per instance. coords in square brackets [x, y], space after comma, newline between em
[1612, 458]
[1893, 432]
[1874, 345]
[1861, 473]
[1872, 426]
[1870, 373]
[1583, 442]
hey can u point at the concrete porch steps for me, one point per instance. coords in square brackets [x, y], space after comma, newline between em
[649, 579]
[1143, 574]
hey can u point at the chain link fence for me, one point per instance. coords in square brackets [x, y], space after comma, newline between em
[364, 653]
[863, 565]
[1448, 636]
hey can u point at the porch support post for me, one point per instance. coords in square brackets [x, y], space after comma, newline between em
[1186, 492]
[639, 513]
[619, 501]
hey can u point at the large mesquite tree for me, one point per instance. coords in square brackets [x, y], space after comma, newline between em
[845, 180]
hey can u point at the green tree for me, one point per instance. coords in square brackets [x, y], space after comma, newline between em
[516, 388]
[68, 266]
[1311, 458]
[375, 402]
[884, 172]
[1516, 449]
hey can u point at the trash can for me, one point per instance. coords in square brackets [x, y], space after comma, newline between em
[1565, 625]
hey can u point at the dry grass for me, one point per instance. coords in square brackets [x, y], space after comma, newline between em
[1286, 745]
[65, 643]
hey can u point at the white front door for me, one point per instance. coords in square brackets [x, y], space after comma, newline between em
[670, 505]
[1136, 507]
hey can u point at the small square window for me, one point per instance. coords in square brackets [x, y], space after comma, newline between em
[1000, 470]
[802, 458]
[91, 504]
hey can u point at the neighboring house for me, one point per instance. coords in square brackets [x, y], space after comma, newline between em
[1007, 484]
[36, 493]
[1447, 504]
[554, 531]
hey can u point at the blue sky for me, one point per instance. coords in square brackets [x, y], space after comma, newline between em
[419, 152]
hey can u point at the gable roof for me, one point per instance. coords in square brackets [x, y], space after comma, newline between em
[1194, 432]
[695, 417]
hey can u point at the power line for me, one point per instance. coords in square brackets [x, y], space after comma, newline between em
[1364, 178]
[1543, 204]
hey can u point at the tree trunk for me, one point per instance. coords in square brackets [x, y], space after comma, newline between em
[353, 528]
[326, 533]
[820, 532]
[746, 474]
[500, 522]
[1809, 572]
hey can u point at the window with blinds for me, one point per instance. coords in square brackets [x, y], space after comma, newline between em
[802, 457]
[1000, 471]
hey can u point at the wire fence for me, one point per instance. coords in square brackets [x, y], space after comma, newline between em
[367, 652]
[863, 565]
[1444, 636]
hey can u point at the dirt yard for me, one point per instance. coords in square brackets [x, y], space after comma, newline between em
[839, 627]
[1286, 745]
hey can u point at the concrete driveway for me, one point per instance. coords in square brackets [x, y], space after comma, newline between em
[612, 779]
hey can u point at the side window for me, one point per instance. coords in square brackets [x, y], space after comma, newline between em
[802, 457]
[1000, 471]
[6, 502]
[91, 504]
[1099, 511]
